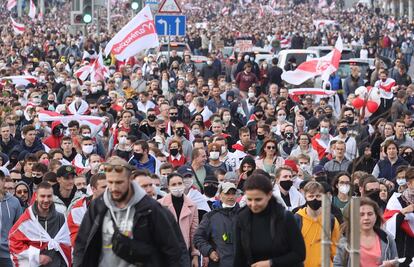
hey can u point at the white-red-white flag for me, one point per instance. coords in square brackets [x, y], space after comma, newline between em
[139, 34]
[83, 72]
[225, 11]
[18, 28]
[323, 66]
[32, 10]
[11, 4]
[391, 212]
[319, 23]
[40, 16]
[99, 71]
[20, 80]
[261, 11]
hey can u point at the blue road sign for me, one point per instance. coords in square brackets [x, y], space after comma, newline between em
[173, 25]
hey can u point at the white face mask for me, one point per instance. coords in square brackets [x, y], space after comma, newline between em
[86, 135]
[177, 191]
[401, 182]
[94, 165]
[122, 140]
[87, 149]
[305, 167]
[19, 113]
[94, 89]
[223, 149]
[180, 102]
[37, 101]
[224, 205]
[214, 155]
[281, 118]
[195, 131]
[188, 182]
[250, 94]
[344, 189]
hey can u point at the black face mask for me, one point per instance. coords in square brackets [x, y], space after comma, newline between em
[356, 190]
[321, 178]
[288, 136]
[374, 195]
[260, 136]
[210, 190]
[328, 115]
[286, 185]
[83, 190]
[252, 152]
[37, 180]
[180, 132]
[162, 130]
[314, 204]
[408, 157]
[57, 131]
[259, 116]
[174, 151]
[151, 117]
[343, 130]
[173, 118]
[138, 156]
[123, 154]
[350, 120]
[205, 93]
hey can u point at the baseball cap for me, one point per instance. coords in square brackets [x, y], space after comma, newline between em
[185, 171]
[211, 179]
[318, 169]
[226, 186]
[64, 171]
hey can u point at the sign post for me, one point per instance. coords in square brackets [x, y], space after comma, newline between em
[169, 21]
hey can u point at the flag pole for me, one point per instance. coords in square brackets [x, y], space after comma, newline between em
[108, 13]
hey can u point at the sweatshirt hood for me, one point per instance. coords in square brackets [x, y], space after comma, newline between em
[138, 194]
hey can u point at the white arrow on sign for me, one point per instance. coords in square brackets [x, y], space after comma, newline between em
[161, 21]
[177, 25]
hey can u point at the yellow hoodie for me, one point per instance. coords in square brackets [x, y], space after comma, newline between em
[312, 234]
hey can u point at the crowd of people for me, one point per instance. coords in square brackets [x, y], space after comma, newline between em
[163, 163]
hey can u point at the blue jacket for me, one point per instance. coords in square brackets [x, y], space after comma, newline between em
[37, 146]
[10, 211]
[388, 171]
[336, 82]
[150, 165]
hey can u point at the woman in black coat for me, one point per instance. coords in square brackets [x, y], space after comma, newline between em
[266, 234]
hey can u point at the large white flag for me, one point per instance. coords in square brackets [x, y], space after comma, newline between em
[99, 71]
[139, 34]
[319, 66]
[32, 10]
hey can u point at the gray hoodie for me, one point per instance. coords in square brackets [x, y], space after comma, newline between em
[10, 211]
[124, 219]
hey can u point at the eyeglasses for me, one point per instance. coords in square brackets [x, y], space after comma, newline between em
[271, 147]
[22, 191]
[116, 168]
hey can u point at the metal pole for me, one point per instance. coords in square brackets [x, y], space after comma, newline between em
[98, 12]
[108, 12]
[19, 8]
[355, 232]
[169, 43]
[326, 231]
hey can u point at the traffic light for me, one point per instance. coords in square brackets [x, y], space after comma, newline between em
[76, 18]
[87, 13]
[136, 5]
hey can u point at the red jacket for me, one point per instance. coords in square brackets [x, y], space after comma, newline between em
[53, 141]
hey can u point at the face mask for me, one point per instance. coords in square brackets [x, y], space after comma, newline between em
[94, 89]
[251, 95]
[305, 168]
[111, 71]
[210, 85]
[138, 156]
[246, 58]
[174, 151]
[281, 118]
[273, 129]
[225, 206]
[180, 102]
[286, 185]
[195, 132]
[180, 132]
[344, 189]
[260, 136]
[252, 152]
[374, 195]
[321, 178]
[87, 149]
[37, 180]
[350, 120]
[19, 113]
[314, 204]
[328, 115]
[122, 140]
[209, 62]
[324, 130]
[343, 130]
[118, 80]
[177, 191]
[71, 61]
[173, 118]
[401, 182]
[205, 93]
[151, 117]
[188, 183]
[210, 190]
[289, 136]
[86, 135]
[214, 155]
[226, 118]
[36, 101]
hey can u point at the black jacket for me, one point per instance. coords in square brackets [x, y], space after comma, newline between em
[7, 147]
[154, 226]
[287, 241]
[275, 75]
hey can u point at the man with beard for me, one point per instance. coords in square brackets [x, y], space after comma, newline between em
[40, 237]
[115, 215]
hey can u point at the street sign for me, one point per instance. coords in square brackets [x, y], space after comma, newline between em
[153, 5]
[169, 6]
[170, 25]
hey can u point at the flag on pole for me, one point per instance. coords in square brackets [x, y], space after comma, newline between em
[99, 71]
[40, 16]
[20, 80]
[32, 10]
[319, 66]
[139, 34]
[390, 216]
[83, 72]
[18, 28]
[225, 11]
[11, 4]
